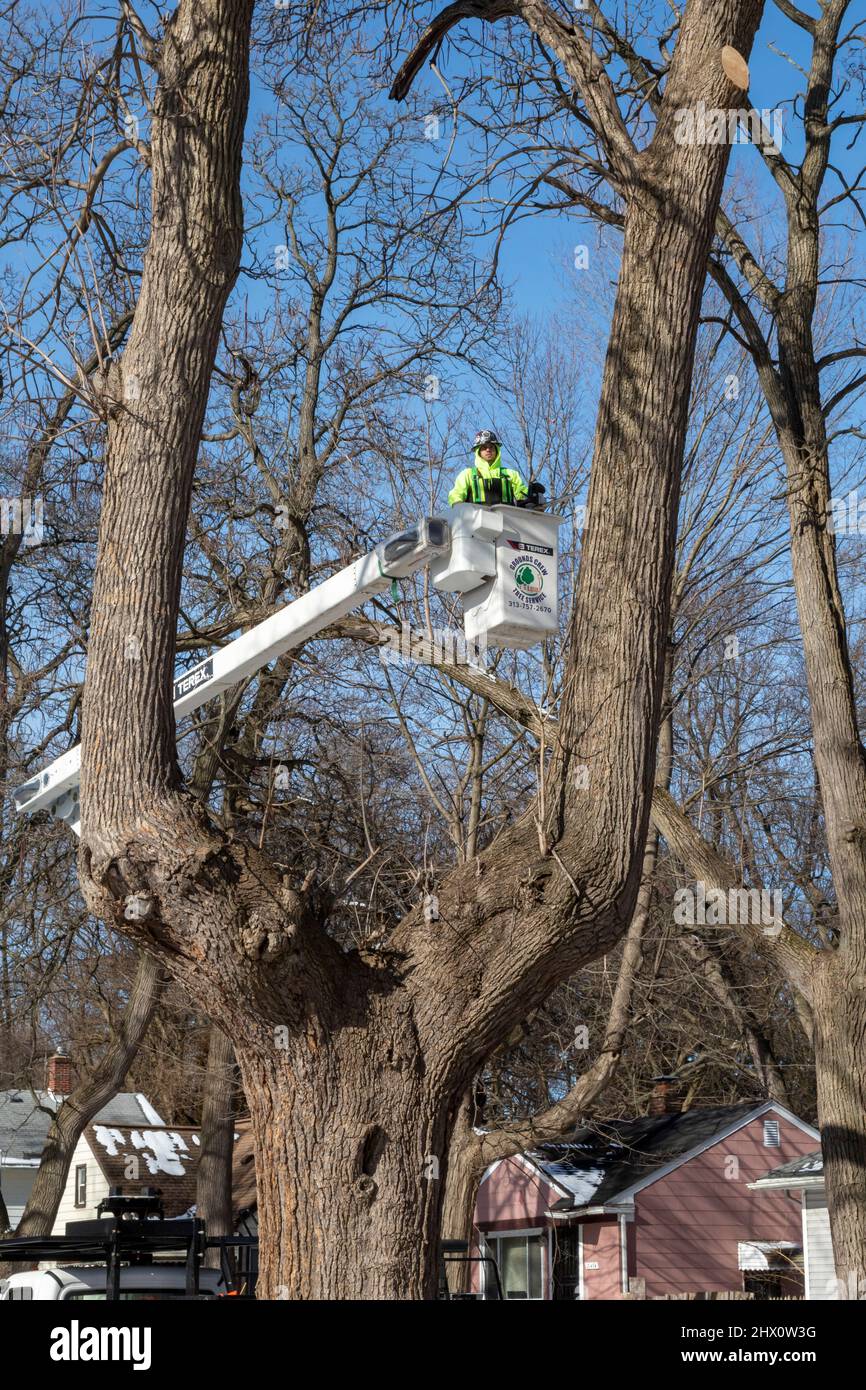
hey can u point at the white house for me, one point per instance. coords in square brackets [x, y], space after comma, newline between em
[25, 1117]
[805, 1175]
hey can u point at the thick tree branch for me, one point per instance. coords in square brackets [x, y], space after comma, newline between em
[430, 41]
[796, 957]
[791, 11]
[571, 46]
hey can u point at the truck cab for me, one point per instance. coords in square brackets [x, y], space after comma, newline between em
[86, 1283]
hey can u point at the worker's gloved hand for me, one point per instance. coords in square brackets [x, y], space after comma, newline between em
[533, 498]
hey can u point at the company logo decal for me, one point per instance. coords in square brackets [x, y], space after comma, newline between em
[529, 576]
[193, 678]
[531, 549]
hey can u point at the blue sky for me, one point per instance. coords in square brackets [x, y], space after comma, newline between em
[537, 250]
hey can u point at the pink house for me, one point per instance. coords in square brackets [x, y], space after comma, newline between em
[662, 1203]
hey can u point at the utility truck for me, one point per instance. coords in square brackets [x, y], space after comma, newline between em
[130, 1251]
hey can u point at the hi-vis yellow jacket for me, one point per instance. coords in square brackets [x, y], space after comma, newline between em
[469, 485]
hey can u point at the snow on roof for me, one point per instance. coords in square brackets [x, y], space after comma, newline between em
[109, 1139]
[152, 1116]
[803, 1166]
[615, 1157]
[583, 1183]
[162, 1150]
[813, 1163]
[160, 1157]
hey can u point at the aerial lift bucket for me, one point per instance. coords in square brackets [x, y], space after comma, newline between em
[504, 561]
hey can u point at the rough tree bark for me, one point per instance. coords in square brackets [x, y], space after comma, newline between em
[214, 1176]
[355, 1065]
[830, 990]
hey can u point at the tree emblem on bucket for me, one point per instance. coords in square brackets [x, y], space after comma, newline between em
[529, 579]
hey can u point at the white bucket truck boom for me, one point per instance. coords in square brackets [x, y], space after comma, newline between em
[502, 559]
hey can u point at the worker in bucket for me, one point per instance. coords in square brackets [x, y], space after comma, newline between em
[487, 483]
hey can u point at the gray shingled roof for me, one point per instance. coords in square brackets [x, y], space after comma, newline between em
[596, 1165]
[806, 1166]
[24, 1124]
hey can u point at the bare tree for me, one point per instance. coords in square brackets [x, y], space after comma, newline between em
[791, 312]
[370, 1059]
[785, 309]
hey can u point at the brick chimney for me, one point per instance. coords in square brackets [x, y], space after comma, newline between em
[59, 1079]
[665, 1098]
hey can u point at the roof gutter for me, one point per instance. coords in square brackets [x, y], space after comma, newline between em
[625, 1209]
[792, 1184]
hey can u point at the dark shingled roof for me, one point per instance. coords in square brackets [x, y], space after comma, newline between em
[24, 1125]
[596, 1165]
[167, 1159]
[806, 1166]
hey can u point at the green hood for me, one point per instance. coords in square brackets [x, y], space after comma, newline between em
[497, 462]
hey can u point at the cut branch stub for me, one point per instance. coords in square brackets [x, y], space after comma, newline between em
[736, 68]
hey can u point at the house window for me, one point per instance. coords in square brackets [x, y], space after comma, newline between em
[772, 1139]
[520, 1260]
[81, 1185]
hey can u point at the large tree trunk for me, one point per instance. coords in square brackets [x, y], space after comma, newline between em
[354, 1065]
[840, 1046]
[840, 763]
[347, 1132]
[793, 393]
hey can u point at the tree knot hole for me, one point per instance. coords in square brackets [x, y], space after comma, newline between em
[370, 1153]
[364, 1187]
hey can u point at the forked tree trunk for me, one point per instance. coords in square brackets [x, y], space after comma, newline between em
[339, 1218]
[354, 1065]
